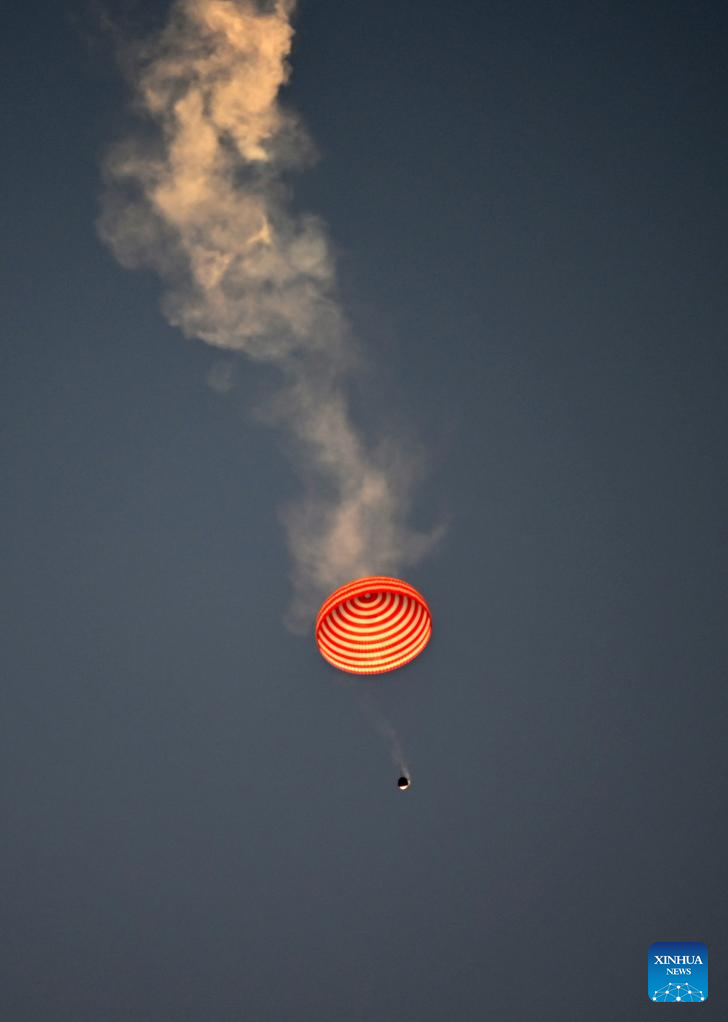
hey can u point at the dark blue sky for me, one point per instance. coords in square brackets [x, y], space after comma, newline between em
[529, 207]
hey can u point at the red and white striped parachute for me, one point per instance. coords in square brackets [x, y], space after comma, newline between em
[373, 625]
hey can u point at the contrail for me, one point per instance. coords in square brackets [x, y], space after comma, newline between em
[195, 192]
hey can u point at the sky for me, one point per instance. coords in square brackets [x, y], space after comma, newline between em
[526, 208]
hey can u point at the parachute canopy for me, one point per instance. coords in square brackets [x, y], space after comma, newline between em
[373, 625]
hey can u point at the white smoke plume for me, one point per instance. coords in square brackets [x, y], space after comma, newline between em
[196, 193]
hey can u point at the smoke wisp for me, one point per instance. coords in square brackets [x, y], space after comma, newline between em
[196, 193]
[384, 727]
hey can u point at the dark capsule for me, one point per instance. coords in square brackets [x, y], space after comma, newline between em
[403, 783]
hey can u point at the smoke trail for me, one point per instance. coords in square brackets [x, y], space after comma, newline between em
[386, 729]
[196, 194]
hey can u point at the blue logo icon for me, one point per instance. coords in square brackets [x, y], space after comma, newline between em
[677, 971]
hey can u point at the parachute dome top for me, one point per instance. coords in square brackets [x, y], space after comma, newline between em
[373, 625]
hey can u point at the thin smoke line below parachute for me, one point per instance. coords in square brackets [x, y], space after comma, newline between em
[385, 728]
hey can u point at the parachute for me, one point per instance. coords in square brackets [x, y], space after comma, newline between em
[373, 625]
